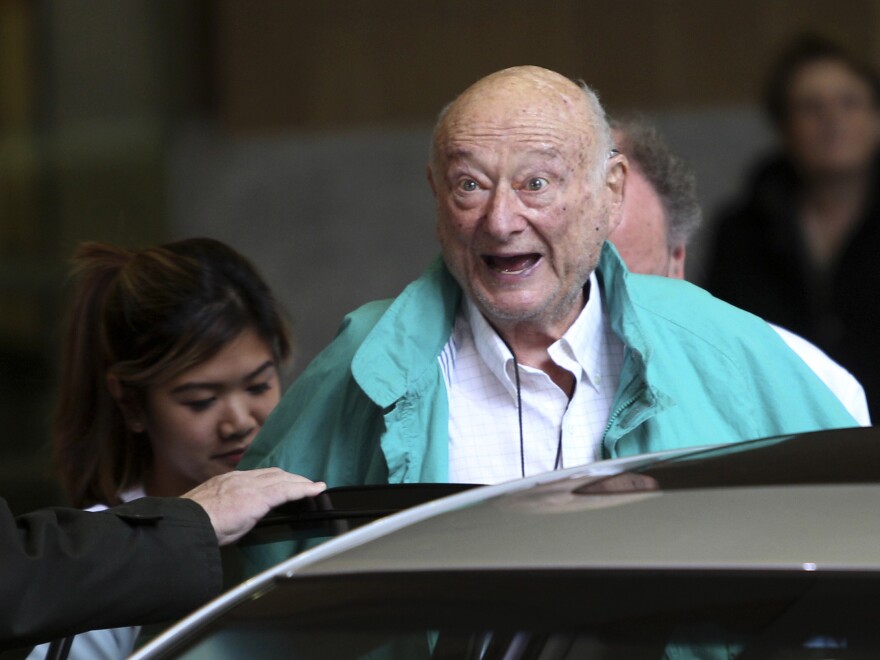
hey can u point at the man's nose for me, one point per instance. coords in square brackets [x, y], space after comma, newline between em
[502, 214]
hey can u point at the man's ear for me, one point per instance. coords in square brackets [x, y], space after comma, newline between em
[676, 262]
[131, 410]
[431, 181]
[615, 182]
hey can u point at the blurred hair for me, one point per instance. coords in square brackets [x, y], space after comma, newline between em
[144, 316]
[805, 50]
[668, 174]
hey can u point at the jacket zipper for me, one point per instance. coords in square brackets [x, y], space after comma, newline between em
[614, 417]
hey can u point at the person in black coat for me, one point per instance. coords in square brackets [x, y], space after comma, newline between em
[800, 249]
[58, 575]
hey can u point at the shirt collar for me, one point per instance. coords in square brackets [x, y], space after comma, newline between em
[584, 342]
[491, 348]
[580, 346]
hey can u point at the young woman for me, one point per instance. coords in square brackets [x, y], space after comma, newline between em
[170, 366]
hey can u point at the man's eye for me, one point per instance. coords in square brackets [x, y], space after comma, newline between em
[467, 185]
[536, 183]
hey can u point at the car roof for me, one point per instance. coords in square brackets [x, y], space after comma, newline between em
[269, 578]
[796, 502]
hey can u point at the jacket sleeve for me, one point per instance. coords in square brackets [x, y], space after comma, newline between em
[64, 571]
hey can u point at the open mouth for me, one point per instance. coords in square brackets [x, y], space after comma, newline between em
[512, 265]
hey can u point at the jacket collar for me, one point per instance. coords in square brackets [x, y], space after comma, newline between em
[403, 346]
[629, 321]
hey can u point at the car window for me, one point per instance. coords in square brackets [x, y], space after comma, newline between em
[550, 615]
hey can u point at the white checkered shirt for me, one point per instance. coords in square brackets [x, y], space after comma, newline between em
[484, 437]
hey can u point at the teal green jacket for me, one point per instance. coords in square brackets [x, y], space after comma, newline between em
[372, 407]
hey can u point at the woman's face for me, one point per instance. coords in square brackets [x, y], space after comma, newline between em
[833, 125]
[200, 422]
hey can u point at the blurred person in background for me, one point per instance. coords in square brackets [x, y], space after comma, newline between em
[800, 248]
[660, 215]
[170, 365]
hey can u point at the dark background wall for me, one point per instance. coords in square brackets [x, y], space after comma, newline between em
[297, 131]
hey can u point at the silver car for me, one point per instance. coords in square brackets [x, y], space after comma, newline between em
[764, 549]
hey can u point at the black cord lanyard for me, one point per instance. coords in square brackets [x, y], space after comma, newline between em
[522, 445]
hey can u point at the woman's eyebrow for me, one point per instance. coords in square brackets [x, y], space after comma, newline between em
[259, 370]
[205, 385]
[194, 385]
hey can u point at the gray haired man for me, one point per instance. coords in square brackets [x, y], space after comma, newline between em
[660, 215]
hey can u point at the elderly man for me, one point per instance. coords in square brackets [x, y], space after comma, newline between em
[529, 347]
[661, 213]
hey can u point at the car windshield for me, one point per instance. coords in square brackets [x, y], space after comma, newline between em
[551, 615]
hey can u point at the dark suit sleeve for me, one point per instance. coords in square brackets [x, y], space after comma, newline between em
[64, 571]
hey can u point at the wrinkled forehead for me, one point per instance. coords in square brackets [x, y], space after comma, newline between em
[534, 108]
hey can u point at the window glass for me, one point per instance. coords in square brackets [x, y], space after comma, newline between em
[552, 615]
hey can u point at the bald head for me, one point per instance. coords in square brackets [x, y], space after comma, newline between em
[524, 95]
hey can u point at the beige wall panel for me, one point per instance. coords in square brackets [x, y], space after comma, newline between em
[293, 64]
[16, 50]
